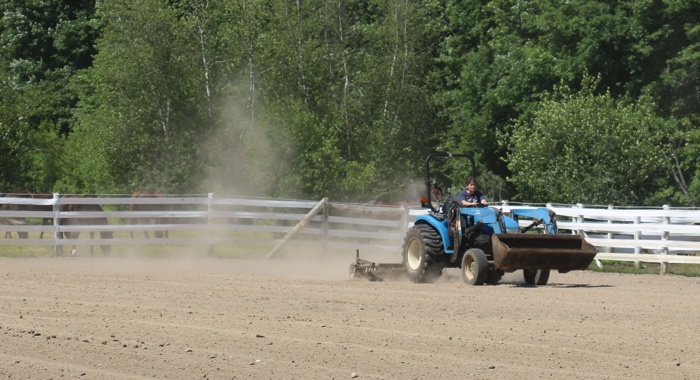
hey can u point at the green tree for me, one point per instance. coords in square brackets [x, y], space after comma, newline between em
[45, 43]
[355, 70]
[591, 149]
[140, 125]
[248, 156]
[677, 91]
[502, 57]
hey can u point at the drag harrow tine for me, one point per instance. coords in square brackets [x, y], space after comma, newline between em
[373, 271]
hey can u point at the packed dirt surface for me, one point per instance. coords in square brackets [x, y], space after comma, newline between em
[128, 318]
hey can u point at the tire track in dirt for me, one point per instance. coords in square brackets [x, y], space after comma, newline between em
[226, 319]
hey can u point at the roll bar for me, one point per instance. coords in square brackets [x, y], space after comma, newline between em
[446, 155]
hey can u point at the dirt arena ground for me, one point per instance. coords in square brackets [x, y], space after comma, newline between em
[97, 318]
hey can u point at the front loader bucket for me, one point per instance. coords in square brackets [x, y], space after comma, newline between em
[541, 251]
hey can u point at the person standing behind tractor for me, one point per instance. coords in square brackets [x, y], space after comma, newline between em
[471, 197]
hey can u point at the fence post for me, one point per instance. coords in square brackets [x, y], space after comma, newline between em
[324, 227]
[663, 267]
[298, 227]
[56, 223]
[210, 238]
[609, 248]
[579, 218]
[637, 236]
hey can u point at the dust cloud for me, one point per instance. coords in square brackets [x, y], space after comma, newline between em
[296, 260]
[329, 268]
[248, 155]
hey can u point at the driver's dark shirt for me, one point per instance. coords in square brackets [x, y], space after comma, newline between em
[477, 197]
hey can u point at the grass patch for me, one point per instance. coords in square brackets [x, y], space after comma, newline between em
[689, 270]
[143, 251]
[18, 251]
[192, 244]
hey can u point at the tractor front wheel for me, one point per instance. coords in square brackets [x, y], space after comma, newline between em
[475, 267]
[422, 254]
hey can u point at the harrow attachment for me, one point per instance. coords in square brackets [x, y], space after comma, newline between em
[362, 268]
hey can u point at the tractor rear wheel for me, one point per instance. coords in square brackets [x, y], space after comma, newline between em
[536, 276]
[475, 267]
[422, 254]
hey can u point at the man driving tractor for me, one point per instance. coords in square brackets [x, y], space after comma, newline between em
[470, 196]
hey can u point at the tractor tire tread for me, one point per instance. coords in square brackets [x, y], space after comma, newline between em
[431, 264]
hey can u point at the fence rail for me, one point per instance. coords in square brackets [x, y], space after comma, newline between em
[661, 235]
[217, 222]
[210, 221]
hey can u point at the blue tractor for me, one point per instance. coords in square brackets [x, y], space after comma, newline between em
[483, 242]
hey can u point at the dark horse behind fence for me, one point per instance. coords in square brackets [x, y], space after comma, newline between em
[84, 221]
[148, 207]
[26, 207]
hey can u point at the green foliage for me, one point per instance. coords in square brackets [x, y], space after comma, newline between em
[30, 143]
[47, 39]
[590, 149]
[144, 115]
[504, 56]
[358, 72]
[346, 99]
[44, 44]
[695, 187]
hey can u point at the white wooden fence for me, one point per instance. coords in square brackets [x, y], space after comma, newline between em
[660, 235]
[209, 221]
